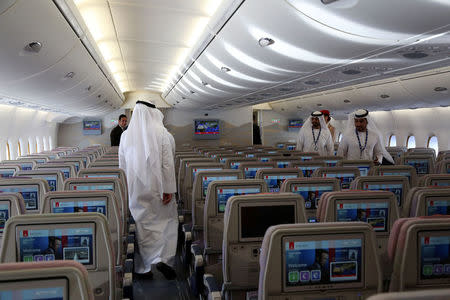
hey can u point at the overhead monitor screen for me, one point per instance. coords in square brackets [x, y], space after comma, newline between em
[274, 182]
[29, 193]
[437, 206]
[206, 127]
[224, 193]
[295, 124]
[321, 262]
[345, 178]
[254, 220]
[396, 188]
[4, 214]
[374, 213]
[308, 170]
[311, 193]
[206, 180]
[59, 242]
[7, 173]
[421, 165]
[75, 206]
[26, 166]
[331, 162]
[92, 187]
[250, 172]
[35, 289]
[195, 171]
[92, 127]
[434, 249]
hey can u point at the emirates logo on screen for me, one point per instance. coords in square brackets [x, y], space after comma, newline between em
[57, 204]
[341, 206]
[291, 245]
[427, 240]
[25, 233]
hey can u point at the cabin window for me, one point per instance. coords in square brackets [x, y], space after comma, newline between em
[19, 152]
[8, 152]
[411, 142]
[340, 137]
[392, 141]
[433, 143]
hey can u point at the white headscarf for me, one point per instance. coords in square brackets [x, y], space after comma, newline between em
[141, 145]
[307, 126]
[350, 129]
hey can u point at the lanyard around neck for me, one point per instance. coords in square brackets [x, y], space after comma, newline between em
[362, 148]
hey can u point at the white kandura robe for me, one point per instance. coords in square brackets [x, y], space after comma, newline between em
[349, 147]
[325, 145]
[156, 223]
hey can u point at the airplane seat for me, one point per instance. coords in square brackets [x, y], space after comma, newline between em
[422, 162]
[68, 168]
[377, 208]
[421, 150]
[83, 237]
[7, 171]
[399, 185]
[421, 253]
[441, 294]
[11, 204]
[235, 161]
[25, 164]
[45, 280]
[104, 164]
[79, 163]
[275, 177]
[193, 233]
[33, 191]
[363, 165]
[353, 272]
[307, 166]
[430, 201]
[443, 155]
[304, 156]
[208, 259]
[284, 162]
[312, 190]
[435, 180]
[246, 219]
[265, 157]
[330, 161]
[443, 166]
[54, 178]
[408, 171]
[345, 174]
[251, 168]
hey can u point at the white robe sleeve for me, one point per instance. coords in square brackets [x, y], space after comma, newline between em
[122, 161]
[168, 168]
[330, 145]
[378, 152]
[300, 142]
[343, 148]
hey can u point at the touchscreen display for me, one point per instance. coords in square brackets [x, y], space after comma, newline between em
[79, 206]
[435, 257]
[311, 193]
[399, 173]
[250, 172]
[308, 170]
[206, 180]
[26, 166]
[92, 187]
[29, 193]
[345, 178]
[438, 207]
[331, 162]
[195, 171]
[235, 165]
[34, 289]
[56, 244]
[397, 189]
[322, 262]
[376, 214]
[254, 220]
[421, 165]
[7, 173]
[274, 182]
[283, 164]
[4, 215]
[224, 193]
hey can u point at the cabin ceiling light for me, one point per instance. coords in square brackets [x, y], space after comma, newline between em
[34, 47]
[225, 69]
[384, 96]
[70, 75]
[205, 83]
[264, 42]
[440, 89]
[327, 1]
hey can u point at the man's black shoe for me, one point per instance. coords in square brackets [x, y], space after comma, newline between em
[167, 271]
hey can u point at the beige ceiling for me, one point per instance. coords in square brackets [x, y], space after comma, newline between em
[146, 40]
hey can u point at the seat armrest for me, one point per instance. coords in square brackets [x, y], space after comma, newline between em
[212, 288]
[130, 251]
[181, 219]
[197, 252]
[187, 230]
[128, 279]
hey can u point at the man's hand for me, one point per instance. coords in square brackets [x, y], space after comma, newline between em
[167, 198]
[376, 162]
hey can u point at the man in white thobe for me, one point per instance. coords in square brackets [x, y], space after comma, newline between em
[145, 154]
[362, 139]
[314, 136]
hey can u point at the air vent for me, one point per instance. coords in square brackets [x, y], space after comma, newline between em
[312, 82]
[319, 104]
[347, 101]
[415, 55]
[266, 94]
[192, 92]
[205, 83]
[285, 89]
[440, 89]
[327, 1]
[351, 72]
[225, 69]
[33, 47]
[264, 42]
[384, 96]
[183, 97]
[70, 75]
